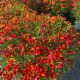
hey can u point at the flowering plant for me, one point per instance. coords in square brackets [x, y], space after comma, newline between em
[54, 7]
[35, 47]
[76, 10]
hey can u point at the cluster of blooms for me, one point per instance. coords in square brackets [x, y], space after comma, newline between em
[54, 7]
[35, 47]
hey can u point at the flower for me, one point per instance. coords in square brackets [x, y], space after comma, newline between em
[8, 38]
[71, 52]
[36, 50]
[7, 68]
[14, 19]
[8, 76]
[7, 55]
[7, 30]
[2, 33]
[21, 79]
[14, 73]
[11, 61]
[13, 35]
[53, 19]
[10, 47]
[60, 65]
[31, 40]
[2, 40]
[45, 25]
[2, 25]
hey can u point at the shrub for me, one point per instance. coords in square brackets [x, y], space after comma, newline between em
[35, 47]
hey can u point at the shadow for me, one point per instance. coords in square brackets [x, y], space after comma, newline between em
[40, 7]
[68, 15]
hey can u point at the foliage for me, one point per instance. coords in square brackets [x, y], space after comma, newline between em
[76, 11]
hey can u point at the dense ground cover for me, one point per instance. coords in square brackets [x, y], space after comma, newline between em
[33, 46]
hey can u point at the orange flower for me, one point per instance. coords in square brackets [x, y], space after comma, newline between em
[11, 60]
[1, 25]
[25, 35]
[43, 75]
[53, 19]
[51, 61]
[14, 19]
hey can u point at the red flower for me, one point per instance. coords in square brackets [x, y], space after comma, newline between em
[36, 78]
[2, 40]
[43, 30]
[8, 76]
[10, 47]
[60, 66]
[71, 52]
[61, 38]
[45, 25]
[31, 40]
[78, 42]
[66, 35]
[56, 56]
[15, 67]
[2, 33]
[13, 35]
[34, 19]
[22, 51]
[68, 42]
[7, 68]
[21, 79]
[44, 39]
[7, 30]
[1, 72]
[8, 38]
[60, 47]
[7, 55]
[14, 73]
[0, 53]
[36, 50]
[20, 46]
